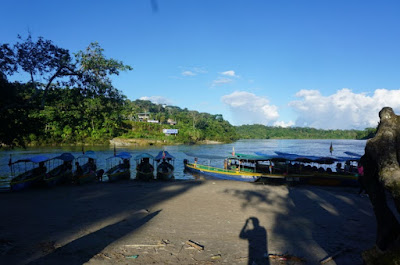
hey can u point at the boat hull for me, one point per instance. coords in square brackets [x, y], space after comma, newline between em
[61, 178]
[324, 180]
[86, 178]
[165, 172]
[332, 179]
[17, 184]
[115, 176]
[222, 173]
[165, 175]
[140, 175]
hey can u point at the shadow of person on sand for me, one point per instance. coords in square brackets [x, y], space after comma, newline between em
[257, 237]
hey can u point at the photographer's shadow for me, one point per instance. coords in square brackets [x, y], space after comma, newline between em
[257, 237]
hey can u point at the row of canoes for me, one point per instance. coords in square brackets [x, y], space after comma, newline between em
[63, 169]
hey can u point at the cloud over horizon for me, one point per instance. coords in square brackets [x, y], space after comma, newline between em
[344, 109]
[248, 108]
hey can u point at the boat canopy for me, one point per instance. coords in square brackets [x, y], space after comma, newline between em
[164, 155]
[33, 159]
[311, 159]
[257, 157]
[88, 154]
[205, 156]
[144, 155]
[122, 155]
[65, 157]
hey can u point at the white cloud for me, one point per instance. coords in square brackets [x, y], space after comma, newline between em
[284, 124]
[230, 73]
[192, 71]
[158, 100]
[221, 81]
[248, 108]
[188, 73]
[344, 109]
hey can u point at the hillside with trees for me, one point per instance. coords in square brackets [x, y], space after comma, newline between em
[258, 131]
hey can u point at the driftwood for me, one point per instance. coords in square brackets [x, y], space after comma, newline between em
[381, 174]
[195, 245]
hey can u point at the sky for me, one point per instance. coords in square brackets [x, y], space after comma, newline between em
[322, 64]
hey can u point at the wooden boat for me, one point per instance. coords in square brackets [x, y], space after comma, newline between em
[144, 167]
[276, 169]
[165, 165]
[235, 168]
[60, 170]
[315, 170]
[28, 172]
[85, 168]
[118, 167]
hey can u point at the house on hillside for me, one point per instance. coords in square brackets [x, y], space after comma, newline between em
[171, 122]
[143, 116]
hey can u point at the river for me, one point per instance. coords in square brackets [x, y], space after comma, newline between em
[303, 147]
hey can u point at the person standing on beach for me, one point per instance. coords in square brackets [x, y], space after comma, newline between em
[360, 170]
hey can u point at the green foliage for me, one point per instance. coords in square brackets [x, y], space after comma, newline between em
[258, 131]
[76, 102]
[192, 125]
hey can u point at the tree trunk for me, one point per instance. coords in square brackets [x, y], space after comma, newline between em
[381, 174]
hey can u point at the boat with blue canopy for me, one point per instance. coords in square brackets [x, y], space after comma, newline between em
[165, 165]
[144, 166]
[239, 167]
[85, 168]
[27, 172]
[60, 170]
[118, 167]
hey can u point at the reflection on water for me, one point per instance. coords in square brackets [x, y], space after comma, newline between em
[303, 147]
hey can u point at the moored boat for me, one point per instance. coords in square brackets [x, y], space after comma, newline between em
[278, 169]
[144, 167]
[317, 170]
[60, 170]
[165, 165]
[118, 167]
[235, 168]
[27, 172]
[85, 168]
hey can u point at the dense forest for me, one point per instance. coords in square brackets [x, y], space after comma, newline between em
[258, 131]
[69, 99]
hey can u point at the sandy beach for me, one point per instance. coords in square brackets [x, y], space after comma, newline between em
[185, 222]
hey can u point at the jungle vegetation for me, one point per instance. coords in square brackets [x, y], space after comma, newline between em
[69, 99]
[258, 131]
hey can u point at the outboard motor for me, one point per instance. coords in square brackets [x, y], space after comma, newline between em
[185, 161]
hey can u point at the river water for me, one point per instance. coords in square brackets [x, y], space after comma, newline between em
[302, 147]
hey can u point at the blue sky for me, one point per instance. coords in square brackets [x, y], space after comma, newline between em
[324, 64]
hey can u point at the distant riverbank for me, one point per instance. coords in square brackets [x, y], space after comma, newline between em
[149, 142]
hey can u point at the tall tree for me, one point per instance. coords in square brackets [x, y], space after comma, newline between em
[88, 71]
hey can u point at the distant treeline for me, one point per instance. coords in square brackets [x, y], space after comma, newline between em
[258, 131]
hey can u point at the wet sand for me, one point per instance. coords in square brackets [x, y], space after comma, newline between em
[131, 222]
